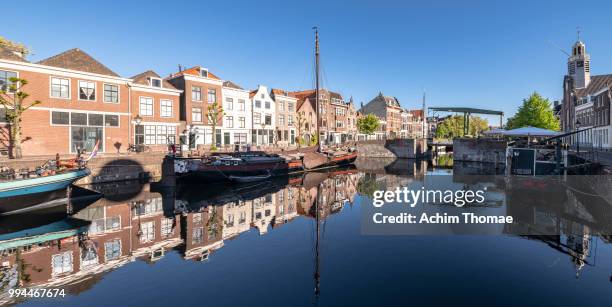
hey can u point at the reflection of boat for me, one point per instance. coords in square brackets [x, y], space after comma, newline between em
[18, 194]
[245, 179]
[55, 231]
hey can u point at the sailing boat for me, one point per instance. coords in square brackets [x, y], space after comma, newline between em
[332, 157]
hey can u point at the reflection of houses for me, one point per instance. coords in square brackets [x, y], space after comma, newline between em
[119, 232]
[264, 211]
[202, 232]
[139, 225]
[236, 218]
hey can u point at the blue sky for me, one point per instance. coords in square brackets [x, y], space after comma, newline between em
[487, 54]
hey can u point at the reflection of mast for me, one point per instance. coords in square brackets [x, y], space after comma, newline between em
[317, 275]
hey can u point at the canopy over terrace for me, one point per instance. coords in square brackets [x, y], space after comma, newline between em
[530, 131]
[467, 112]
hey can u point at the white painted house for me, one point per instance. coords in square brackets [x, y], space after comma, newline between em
[237, 118]
[264, 116]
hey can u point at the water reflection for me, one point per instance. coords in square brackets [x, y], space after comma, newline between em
[139, 224]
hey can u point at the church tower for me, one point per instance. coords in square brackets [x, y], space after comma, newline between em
[579, 65]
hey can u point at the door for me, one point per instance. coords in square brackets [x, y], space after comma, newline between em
[86, 138]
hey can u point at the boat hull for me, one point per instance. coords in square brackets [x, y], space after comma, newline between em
[21, 194]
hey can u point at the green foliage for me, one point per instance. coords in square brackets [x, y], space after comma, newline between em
[19, 47]
[453, 126]
[13, 102]
[536, 111]
[368, 124]
[214, 114]
[367, 185]
[314, 140]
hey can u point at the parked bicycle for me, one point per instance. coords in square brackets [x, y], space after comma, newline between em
[138, 148]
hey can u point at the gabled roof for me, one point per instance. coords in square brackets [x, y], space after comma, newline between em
[195, 71]
[76, 59]
[279, 92]
[416, 113]
[389, 101]
[143, 79]
[232, 85]
[8, 54]
[309, 93]
[597, 84]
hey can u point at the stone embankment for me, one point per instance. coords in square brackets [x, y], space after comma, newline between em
[399, 148]
[479, 150]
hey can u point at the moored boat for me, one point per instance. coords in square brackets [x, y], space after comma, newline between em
[222, 168]
[16, 195]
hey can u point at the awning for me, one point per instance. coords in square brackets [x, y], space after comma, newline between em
[530, 131]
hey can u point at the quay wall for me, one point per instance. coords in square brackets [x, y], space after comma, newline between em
[479, 150]
[399, 148]
[106, 168]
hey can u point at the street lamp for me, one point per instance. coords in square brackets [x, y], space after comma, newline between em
[138, 119]
[578, 124]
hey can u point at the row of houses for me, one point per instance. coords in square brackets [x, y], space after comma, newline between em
[586, 101]
[83, 102]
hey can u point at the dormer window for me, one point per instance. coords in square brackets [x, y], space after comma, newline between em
[155, 82]
[203, 73]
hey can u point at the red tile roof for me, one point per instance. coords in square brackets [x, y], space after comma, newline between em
[77, 59]
[195, 71]
[143, 78]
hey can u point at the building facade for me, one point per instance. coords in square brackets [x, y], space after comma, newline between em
[395, 121]
[201, 89]
[286, 112]
[332, 115]
[237, 117]
[306, 120]
[156, 104]
[586, 101]
[264, 117]
[82, 102]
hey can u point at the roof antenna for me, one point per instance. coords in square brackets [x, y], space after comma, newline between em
[578, 31]
[560, 49]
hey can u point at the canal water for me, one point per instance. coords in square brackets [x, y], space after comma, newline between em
[298, 242]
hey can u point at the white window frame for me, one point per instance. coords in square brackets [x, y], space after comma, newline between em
[229, 121]
[95, 87]
[161, 108]
[241, 122]
[208, 95]
[161, 85]
[13, 71]
[241, 104]
[51, 87]
[201, 89]
[63, 271]
[201, 116]
[140, 100]
[120, 249]
[118, 93]
[229, 103]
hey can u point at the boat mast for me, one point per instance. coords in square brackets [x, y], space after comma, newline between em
[318, 110]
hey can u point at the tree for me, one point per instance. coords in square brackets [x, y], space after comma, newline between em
[299, 123]
[536, 111]
[368, 124]
[452, 126]
[14, 46]
[214, 114]
[12, 99]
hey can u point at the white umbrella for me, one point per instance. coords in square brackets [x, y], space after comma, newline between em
[530, 131]
[495, 131]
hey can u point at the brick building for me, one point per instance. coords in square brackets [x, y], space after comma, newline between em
[156, 104]
[586, 100]
[201, 88]
[333, 117]
[82, 102]
[286, 111]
